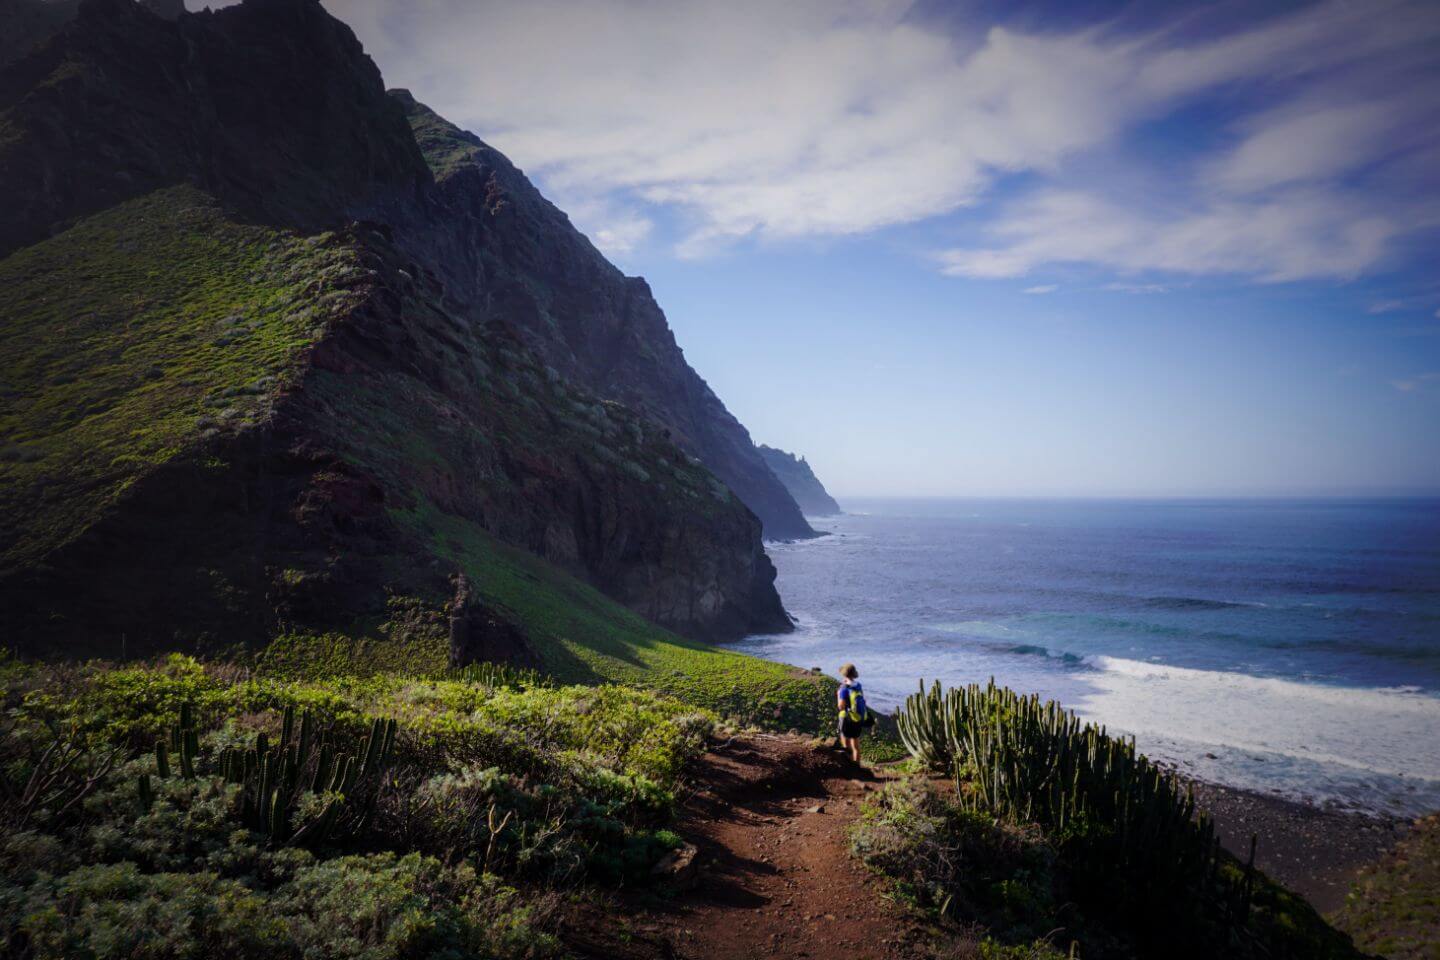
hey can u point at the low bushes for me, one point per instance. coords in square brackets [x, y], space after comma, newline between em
[372, 906]
[962, 864]
[179, 809]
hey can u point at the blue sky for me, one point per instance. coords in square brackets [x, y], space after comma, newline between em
[1034, 249]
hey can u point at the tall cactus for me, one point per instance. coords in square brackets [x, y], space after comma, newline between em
[304, 759]
[922, 727]
[1017, 758]
[272, 776]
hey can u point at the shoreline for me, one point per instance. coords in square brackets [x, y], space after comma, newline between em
[1313, 850]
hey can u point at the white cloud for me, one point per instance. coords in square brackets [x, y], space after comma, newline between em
[833, 117]
[1136, 287]
[1402, 305]
[616, 231]
[1415, 383]
[1309, 142]
[1042, 289]
[1294, 235]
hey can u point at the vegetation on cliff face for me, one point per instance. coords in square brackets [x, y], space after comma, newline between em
[134, 337]
[580, 636]
[170, 338]
[1393, 908]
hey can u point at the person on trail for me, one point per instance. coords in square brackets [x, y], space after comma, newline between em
[854, 715]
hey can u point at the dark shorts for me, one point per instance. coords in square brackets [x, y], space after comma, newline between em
[849, 728]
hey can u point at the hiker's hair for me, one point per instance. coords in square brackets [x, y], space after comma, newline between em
[849, 671]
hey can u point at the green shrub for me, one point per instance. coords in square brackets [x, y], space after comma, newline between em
[375, 907]
[959, 864]
[382, 906]
[114, 910]
[1393, 905]
[494, 768]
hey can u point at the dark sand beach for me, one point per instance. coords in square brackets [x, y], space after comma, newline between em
[1312, 850]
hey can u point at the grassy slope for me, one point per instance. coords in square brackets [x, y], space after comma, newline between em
[1394, 907]
[128, 338]
[584, 637]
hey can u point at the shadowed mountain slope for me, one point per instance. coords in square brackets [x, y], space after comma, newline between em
[254, 384]
[508, 252]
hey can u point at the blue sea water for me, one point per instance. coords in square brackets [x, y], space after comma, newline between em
[1291, 646]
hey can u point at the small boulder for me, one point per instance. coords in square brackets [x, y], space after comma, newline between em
[678, 867]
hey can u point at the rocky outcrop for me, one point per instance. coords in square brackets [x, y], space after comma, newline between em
[801, 481]
[509, 254]
[479, 635]
[410, 418]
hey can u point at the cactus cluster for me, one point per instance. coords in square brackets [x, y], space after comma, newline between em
[922, 727]
[494, 675]
[273, 776]
[1018, 758]
[183, 743]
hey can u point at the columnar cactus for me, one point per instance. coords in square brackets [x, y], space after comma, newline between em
[922, 727]
[1017, 758]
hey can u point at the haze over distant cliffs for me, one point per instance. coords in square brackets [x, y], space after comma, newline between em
[801, 481]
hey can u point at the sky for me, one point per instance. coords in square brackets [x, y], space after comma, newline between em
[1035, 249]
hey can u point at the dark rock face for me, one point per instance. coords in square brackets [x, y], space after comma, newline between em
[801, 481]
[478, 635]
[494, 436]
[25, 24]
[509, 252]
[428, 400]
[271, 106]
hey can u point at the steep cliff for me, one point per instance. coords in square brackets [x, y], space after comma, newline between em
[231, 410]
[509, 253]
[801, 481]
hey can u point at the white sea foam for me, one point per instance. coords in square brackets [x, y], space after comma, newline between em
[1345, 733]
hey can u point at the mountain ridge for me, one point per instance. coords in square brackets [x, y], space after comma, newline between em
[358, 391]
[580, 313]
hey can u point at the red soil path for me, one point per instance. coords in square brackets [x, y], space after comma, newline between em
[773, 877]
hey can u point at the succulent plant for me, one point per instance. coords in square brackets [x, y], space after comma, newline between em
[1021, 759]
[273, 776]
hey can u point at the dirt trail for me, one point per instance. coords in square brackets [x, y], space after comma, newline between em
[773, 876]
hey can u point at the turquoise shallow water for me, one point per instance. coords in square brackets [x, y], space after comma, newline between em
[1284, 645]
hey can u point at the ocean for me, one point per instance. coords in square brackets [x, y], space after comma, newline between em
[1286, 646]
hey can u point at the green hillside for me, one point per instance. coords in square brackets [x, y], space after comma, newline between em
[132, 337]
[584, 637]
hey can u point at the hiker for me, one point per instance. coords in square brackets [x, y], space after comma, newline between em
[854, 715]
